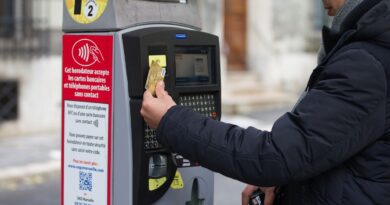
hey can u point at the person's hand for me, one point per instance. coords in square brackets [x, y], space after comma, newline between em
[153, 109]
[250, 189]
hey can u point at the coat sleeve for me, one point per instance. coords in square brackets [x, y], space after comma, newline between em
[339, 116]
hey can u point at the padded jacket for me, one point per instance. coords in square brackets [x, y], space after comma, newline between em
[334, 147]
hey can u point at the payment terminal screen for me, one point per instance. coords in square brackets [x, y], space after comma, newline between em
[193, 66]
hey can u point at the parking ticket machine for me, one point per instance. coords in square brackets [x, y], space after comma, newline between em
[192, 79]
[110, 155]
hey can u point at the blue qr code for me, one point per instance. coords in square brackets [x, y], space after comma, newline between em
[85, 181]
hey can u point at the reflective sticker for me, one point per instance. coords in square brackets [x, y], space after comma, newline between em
[86, 11]
[156, 183]
[177, 182]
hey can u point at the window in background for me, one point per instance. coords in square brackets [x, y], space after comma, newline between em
[6, 18]
[8, 100]
[24, 28]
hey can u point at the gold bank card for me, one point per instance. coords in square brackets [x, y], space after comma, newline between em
[156, 74]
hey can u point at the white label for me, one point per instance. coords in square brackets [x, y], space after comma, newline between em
[91, 9]
[85, 153]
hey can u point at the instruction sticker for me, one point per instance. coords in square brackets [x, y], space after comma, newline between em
[86, 11]
[86, 119]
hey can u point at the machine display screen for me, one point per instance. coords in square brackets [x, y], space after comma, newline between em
[193, 67]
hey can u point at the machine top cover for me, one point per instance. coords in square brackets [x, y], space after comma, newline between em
[113, 15]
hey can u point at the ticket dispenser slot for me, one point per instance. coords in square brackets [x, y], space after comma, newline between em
[192, 79]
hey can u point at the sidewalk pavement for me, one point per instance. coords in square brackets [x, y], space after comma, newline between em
[29, 155]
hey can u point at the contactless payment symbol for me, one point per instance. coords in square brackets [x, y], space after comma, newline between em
[86, 11]
[85, 52]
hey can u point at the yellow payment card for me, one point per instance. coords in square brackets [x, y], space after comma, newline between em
[157, 70]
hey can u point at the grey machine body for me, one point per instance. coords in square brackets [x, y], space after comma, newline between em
[120, 17]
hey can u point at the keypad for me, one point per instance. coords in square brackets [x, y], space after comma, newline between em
[201, 103]
[150, 142]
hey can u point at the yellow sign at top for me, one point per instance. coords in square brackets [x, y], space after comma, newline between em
[86, 11]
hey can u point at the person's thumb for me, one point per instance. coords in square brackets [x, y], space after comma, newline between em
[160, 89]
[147, 95]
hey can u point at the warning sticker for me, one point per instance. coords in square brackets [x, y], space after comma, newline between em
[177, 182]
[86, 11]
[156, 183]
[86, 119]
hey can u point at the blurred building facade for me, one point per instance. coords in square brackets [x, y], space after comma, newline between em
[271, 44]
[283, 37]
[30, 65]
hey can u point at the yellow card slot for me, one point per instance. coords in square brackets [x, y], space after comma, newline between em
[160, 59]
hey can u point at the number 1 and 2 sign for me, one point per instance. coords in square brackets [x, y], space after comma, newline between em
[86, 11]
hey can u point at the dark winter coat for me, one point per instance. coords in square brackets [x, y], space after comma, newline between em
[334, 147]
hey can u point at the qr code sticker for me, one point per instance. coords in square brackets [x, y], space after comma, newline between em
[85, 181]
